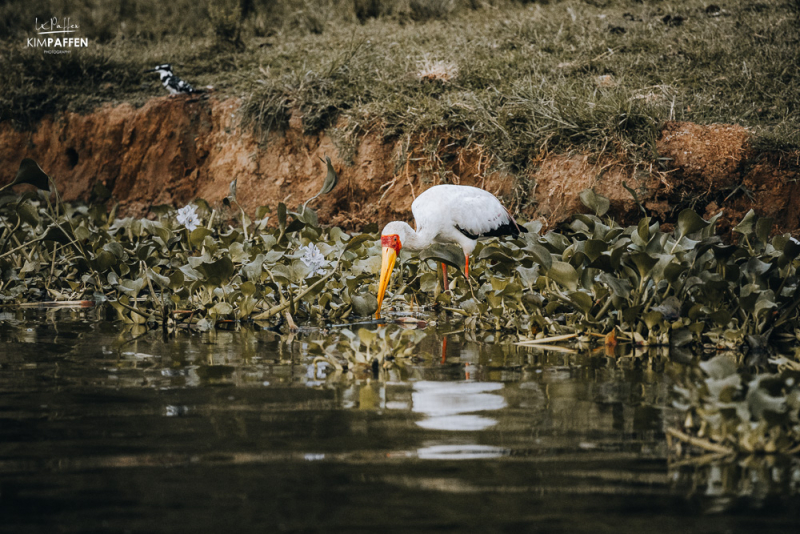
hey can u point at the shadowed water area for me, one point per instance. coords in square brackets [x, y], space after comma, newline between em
[108, 429]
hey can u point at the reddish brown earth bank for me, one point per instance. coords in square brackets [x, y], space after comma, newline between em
[175, 149]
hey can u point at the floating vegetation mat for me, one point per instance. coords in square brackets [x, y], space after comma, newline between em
[590, 282]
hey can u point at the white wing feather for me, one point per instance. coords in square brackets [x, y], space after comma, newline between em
[443, 207]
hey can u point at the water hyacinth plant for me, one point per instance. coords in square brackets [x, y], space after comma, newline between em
[591, 276]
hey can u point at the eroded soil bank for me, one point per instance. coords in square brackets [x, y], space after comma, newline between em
[175, 149]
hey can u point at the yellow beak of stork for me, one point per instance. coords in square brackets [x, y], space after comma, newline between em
[391, 247]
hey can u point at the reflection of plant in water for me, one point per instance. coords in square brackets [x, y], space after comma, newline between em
[753, 476]
[727, 410]
[368, 347]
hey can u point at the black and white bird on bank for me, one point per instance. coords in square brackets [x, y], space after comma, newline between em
[172, 83]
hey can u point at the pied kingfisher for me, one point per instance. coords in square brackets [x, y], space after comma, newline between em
[172, 83]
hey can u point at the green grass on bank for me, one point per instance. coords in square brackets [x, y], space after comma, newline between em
[518, 78]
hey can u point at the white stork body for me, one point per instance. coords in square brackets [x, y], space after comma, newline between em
[460, 214]
[446, 214]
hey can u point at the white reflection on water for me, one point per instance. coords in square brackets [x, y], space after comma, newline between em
[458, 423]
[445, 404]
[176, 411]
[460, 452]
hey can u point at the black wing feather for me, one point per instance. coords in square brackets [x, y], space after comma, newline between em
[508, 228]
[178, 85]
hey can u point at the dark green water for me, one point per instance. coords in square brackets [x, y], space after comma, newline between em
[237, 431]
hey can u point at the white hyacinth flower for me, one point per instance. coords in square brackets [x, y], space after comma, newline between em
[187, 216]
[313, 259]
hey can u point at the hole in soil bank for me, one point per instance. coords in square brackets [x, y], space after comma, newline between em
[72, 157]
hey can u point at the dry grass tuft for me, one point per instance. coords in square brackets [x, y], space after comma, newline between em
[437, 70]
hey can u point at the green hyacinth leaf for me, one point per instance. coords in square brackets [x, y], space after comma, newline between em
[690, 222]
[597, 203]
[564, 274]
[30, 173]
[450, 254]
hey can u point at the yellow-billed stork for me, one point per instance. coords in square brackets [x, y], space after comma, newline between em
[457, 214]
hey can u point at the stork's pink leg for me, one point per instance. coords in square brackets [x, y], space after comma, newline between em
[466, 265]
[444, 277]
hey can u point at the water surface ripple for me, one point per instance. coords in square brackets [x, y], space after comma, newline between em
[105, 428]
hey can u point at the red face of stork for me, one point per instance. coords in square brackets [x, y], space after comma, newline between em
[391, 246]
